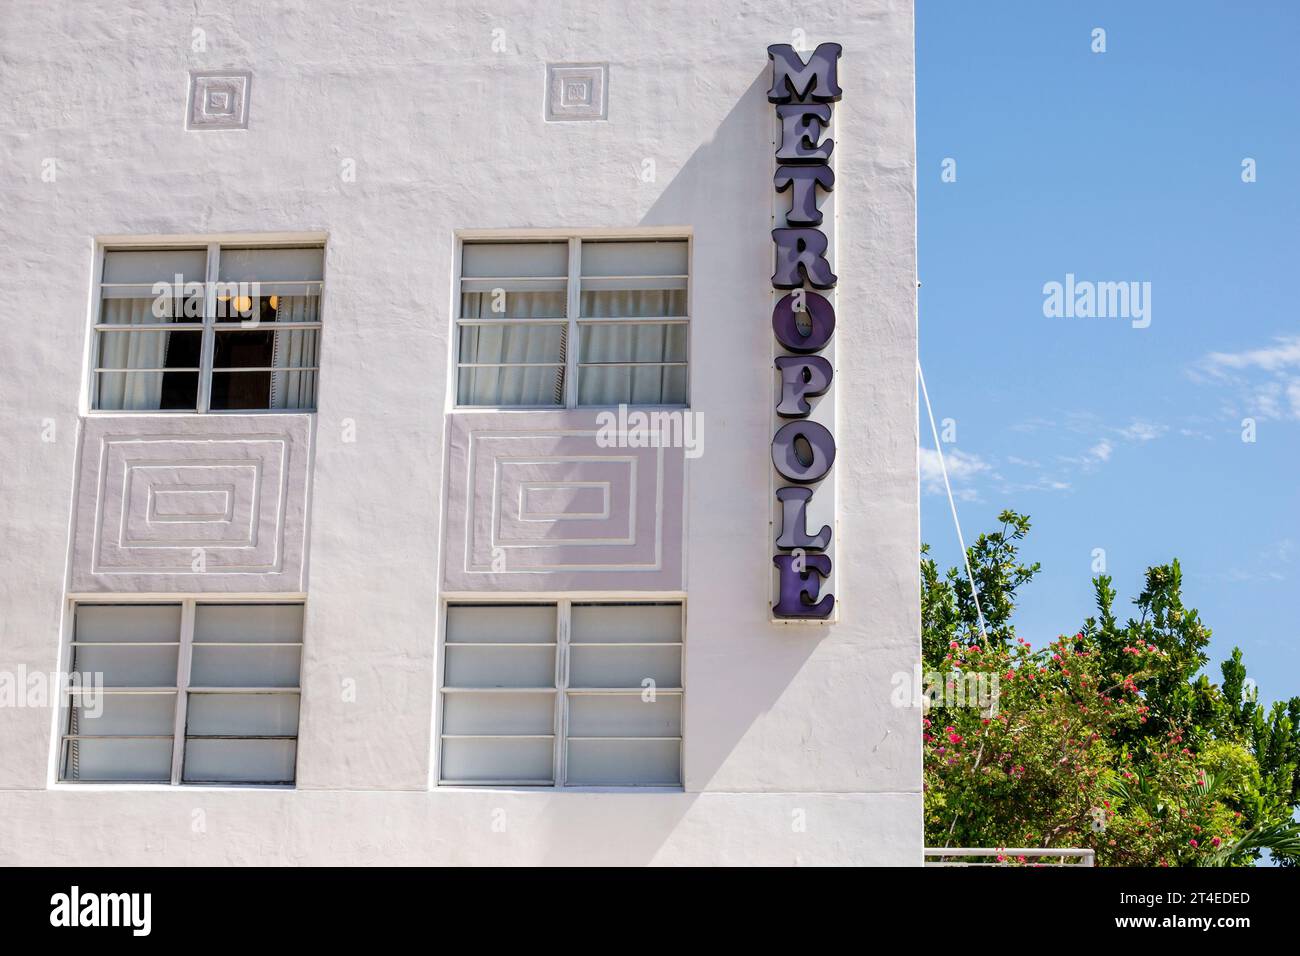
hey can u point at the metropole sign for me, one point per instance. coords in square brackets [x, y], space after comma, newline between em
[803, 321]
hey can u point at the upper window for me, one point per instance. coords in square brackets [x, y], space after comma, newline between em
[525, 305]
[183, 693]
[210, 328]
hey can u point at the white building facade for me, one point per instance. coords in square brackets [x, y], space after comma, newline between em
[476, 434]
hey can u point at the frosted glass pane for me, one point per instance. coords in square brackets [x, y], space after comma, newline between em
[239, 761]
[624, 763]
[155, 265]
[491, 387]
[513, 303]
[632, 342]
[501, 760]
[608, 623]
[250, 265]
[643, 258]
[498, 713]
[255, 714]
[250, 666]
[610, 715]
[107, 759]
[529, 342]
[501, 623]
[128, 666]
[468, 665]
[495, 259]
[591, 666]
[254, 623]
[128, 622]
[633, 302]
[632, 385]
[99, 715]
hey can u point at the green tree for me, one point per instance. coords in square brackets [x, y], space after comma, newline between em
[1112, 738]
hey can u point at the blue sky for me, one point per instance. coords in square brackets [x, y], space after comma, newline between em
[1119, 166]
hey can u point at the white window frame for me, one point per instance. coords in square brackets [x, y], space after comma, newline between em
[573, 309]
[181, 690]
[207, 324]
[561, 690]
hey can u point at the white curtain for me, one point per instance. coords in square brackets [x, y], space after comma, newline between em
[131, 390]
[295, 348]
[633, 342]
[526, 341]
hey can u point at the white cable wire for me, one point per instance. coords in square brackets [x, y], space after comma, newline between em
[938, 447]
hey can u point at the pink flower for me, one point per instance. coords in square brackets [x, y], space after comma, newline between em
[1193, 843]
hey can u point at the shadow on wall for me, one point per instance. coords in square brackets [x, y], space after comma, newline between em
[738, 664]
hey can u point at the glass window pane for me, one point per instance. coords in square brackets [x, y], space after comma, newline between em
[500, 760]
[502, 387]
[617, 257]
[115, 760]
[148, 350]
[503, 259]
[498, 713]
[127, 622]
[151, 305]
[632, 342]
[243, 349]
[146, 391]
[596, 666]
[507, 302]
[245, 666]
[155, 265]
[501, 623]
[254, 307]
[625, 715]
[242, 714]
[633, 303]
[233, 391]
[100, 714]
[479, 665]
[264, 623]
[511, 344]
[632, 385]
[608, 623]
[239, 761]
[128, 666]
[624, 763]
[260, 264]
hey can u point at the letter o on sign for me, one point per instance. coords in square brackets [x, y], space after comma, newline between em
[788, 456]
[821, 318]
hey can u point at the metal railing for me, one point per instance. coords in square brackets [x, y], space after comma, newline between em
[1009, 856]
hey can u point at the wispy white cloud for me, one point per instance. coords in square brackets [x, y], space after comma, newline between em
[1096, 455]
[1142, 431]
[1266, 380]
[963, 467]
[1283, 354]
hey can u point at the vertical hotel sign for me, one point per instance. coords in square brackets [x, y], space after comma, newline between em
[803, 322]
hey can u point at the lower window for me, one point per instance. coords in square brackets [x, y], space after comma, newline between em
[562, 694]
[184, 692]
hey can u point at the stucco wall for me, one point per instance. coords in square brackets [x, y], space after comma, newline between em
[445, 132]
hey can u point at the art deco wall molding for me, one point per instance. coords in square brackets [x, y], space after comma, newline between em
[219, 99]
[546, 507]
[577, 91]
[209, 503]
